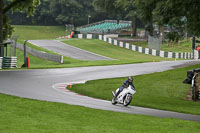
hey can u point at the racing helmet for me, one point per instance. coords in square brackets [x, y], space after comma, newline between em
[130, 79]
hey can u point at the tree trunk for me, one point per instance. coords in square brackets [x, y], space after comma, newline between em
[134, 26]
[151, 28]
[1, 29]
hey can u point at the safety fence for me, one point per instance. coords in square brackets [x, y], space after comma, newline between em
[154, 42]
[8, 62]
[154, 52]
[41, 54]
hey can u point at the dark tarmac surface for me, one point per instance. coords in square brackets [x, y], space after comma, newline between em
[68, 50]
[47, 85]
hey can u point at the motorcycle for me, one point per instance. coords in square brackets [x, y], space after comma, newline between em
[125, 97]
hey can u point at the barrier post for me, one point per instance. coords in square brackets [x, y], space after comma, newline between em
[25, 58]
[28, 62]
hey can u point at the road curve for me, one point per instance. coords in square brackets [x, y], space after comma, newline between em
[43, 84]
[68, 50]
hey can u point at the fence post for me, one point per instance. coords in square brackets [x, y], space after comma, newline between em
[61, 60]
[14, 45]
[25, 58]
[25, 51]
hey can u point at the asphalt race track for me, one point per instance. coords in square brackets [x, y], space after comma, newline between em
[68, 50]
[49, 85]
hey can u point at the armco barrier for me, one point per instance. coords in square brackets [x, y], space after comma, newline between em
[40, 54]
[186, 55]
[9, 62]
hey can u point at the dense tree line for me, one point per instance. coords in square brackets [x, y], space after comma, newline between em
[60, 12]
[179, 15]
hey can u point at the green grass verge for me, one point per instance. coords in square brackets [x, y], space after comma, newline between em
[123, 55]
[185, 46]
[18, 115]
[162, 90]
[26, 32]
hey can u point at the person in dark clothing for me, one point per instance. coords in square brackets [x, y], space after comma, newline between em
[125, 84]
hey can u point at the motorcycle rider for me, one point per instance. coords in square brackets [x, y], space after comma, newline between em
[125, 84]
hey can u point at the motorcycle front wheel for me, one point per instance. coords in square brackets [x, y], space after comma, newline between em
[113, 101]
[127, 100]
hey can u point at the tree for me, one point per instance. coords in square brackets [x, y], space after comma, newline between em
[57, 12]
[124, 9]
[145, 9]
[54, 12]
[5, 6]
[130, 11]
[106, 5]
[180, 13]
[111, 7]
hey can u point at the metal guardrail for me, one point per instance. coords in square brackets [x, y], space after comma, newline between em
[41, 54]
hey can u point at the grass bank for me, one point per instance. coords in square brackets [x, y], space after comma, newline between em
[184, 46]
[124, 56]
[162, 90]
[18, 115]
[26, 32]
